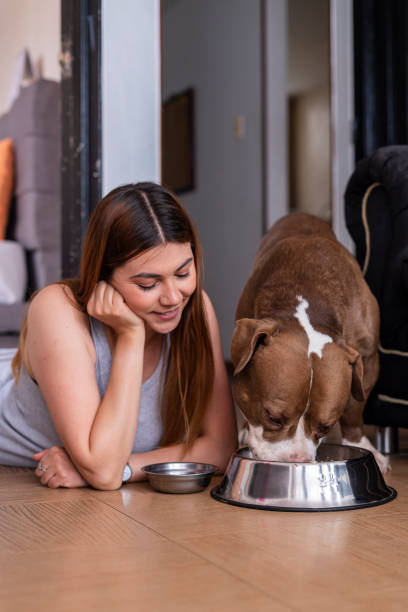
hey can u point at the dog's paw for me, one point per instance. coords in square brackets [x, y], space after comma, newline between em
[382, 460]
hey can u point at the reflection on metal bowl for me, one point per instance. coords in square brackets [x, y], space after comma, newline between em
[341, 478]
[180, 476]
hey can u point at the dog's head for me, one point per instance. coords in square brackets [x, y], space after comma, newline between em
[291, 395]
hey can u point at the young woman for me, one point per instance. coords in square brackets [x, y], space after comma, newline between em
[122, 367]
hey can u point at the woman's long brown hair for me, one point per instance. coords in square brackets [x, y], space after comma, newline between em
[128, 221]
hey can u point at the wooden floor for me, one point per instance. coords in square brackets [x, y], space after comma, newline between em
[135, 549]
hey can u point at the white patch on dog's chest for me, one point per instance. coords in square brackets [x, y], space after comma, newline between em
[317, 340]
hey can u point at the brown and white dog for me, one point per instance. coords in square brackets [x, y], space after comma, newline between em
[305, 343]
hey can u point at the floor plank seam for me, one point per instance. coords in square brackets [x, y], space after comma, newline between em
[184, 547]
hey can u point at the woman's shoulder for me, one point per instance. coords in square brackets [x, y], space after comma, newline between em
[210, 314]
[55, 303]
[55, 294]
[54, 320]
[208, 306]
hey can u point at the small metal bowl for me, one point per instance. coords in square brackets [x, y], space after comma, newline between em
[179, 477]
[341, 478]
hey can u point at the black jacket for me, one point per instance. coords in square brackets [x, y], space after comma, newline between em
[376, 207]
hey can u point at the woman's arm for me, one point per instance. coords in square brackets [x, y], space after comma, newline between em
[215, 445]
[97, 434]
[219, 435]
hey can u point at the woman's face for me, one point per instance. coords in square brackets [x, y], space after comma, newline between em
[157, 284]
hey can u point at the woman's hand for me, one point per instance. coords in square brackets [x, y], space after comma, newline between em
[108, 305]
[55, 469]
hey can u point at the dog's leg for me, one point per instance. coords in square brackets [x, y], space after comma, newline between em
[243, 434]
[352, 428]
[351, 422]
[364, 442]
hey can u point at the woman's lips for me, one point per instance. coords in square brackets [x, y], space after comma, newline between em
[170, 314]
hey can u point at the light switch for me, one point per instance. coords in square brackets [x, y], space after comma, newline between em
[239, 127]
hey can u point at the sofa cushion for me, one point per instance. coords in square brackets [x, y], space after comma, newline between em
[11, 317]
[34, 124]
[13, 272]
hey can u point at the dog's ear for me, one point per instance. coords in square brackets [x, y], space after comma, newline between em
[247, 334]
[354, 358]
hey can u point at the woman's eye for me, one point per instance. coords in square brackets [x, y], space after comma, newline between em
[183, 275]
[147, 287]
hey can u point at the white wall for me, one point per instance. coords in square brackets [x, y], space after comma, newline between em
[34, 24]
[215, 47]
[131, 105]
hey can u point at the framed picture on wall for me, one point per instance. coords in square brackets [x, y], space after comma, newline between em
[178, 142]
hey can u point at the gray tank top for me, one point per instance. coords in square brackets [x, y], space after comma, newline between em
[26, 426]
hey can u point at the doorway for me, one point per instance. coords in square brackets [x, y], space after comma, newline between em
[308, 95]
[213, 50]
[261, 124]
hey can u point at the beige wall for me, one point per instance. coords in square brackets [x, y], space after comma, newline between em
[310, 152]
[309, 106]
[34, 24]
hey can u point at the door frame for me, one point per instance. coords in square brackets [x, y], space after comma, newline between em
[80, 60]
[275, 147]
[342, 111]
[274, 44]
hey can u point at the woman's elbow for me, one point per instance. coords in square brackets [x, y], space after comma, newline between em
[105, 485]
[104, 481]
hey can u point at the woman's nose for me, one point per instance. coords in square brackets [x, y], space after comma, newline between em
[170, 296]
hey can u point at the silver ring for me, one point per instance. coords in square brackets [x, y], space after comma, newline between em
[41, 467]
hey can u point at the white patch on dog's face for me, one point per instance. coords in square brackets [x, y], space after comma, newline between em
[299, 448]
[317, 340]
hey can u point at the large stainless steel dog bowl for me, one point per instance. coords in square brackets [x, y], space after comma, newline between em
[341, 478]
[179, 476]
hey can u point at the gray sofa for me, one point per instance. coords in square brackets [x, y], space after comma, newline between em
[33, 122]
